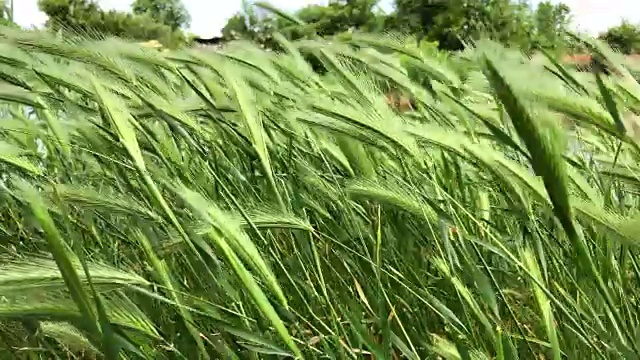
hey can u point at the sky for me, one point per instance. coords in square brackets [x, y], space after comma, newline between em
[209, 16]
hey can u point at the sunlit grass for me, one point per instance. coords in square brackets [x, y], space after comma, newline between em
[235, 204]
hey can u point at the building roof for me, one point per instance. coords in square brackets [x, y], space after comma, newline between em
[216, 40]
[583, 59]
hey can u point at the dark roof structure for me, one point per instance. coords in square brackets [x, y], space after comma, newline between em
[216, 40]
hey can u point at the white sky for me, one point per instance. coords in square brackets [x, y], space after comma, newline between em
[209, 16]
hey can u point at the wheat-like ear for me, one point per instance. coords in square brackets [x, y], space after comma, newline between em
[234, 203]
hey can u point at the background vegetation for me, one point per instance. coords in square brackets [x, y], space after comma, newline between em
[450, 24]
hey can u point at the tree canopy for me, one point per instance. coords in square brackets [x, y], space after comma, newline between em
[624, 38]
[449, 23]
[87, 18]
[168, 12]
[6, 13]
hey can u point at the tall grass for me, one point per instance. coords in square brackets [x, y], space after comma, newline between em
[235, 204]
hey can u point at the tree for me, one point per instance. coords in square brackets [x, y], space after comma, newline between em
[236, 27]
[86, 18]
[250, 25]
[335, 17]
[71, 14]
[450, 23]
[551, 24]
[6, 13]
[168, 12]
[624, 38]
[416, 16]
[453, 22]
[6, 9]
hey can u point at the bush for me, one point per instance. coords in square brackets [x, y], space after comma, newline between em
[624, 38]
[86, 18]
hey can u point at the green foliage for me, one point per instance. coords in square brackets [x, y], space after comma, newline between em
[86, 18]
[7, 22]
[168, 12]
[551, 24]
[6, 13]
[235, 204]
[248, 25]
[624, 38]
[334, 18]
[340, 16]
[452, 24]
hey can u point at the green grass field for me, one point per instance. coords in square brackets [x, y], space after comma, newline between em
[201, 205]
